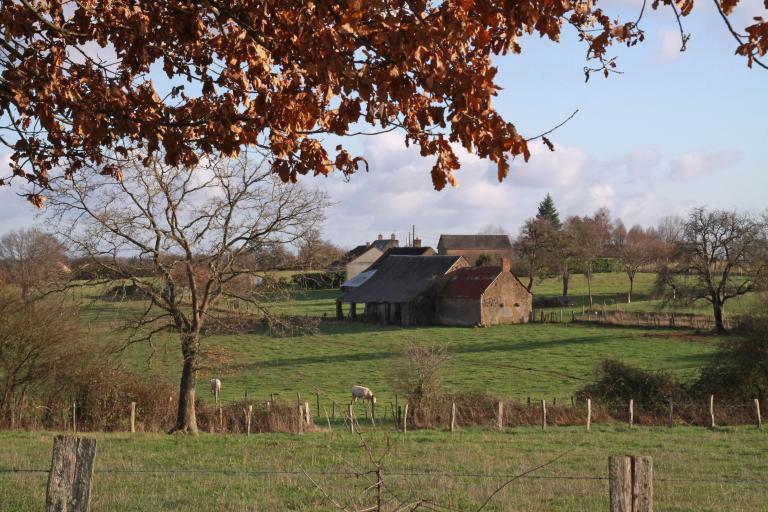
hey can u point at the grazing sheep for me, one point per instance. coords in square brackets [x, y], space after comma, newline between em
[363, 393]
[216, 388]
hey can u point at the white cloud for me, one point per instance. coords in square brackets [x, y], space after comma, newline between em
[549, 169]
[397, 192]
[697, 165]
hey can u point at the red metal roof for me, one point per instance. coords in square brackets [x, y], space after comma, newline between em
[470, 282]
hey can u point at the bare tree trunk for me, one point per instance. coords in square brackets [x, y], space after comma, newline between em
[631, 288]
[717, 307]
[566, 279]
[186, 420]
[530, 282]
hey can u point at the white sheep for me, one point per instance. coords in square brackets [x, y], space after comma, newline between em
[363, 393]
[216, 388]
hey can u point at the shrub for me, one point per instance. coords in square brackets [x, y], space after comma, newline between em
[418, 377]
[739, 369]
[617, 383]
[318, 280]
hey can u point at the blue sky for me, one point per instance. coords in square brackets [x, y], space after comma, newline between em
[675, 130]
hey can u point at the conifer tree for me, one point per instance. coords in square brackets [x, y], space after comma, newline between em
[547, 211]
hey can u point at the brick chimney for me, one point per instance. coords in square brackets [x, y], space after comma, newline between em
[506, 265]
[381, 237]
[393, 237]
[417, 242]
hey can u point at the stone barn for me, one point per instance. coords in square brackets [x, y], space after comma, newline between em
[483, 296]
[472, 247]
[402, 291]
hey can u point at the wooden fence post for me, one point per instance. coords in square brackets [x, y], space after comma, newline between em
[543, 414]
[589, 413]
[453, 416]
[300, 418]
[500, 415]
[74, 417]
[307, 418]
[133, 417]
[248, 420]
[317, 397]
[350, 411]
[221, 418]
[630, 483]
[405, 418]
[757, 412]
[712, 411]
[69, 481]
[631, 412]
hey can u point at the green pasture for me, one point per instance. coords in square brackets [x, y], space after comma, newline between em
[514, 361]
[695, 469]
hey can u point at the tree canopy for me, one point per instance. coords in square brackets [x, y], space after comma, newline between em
[280, 75]
[548, 212]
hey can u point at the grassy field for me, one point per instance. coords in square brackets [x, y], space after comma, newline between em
[694, 469]
[517, 361]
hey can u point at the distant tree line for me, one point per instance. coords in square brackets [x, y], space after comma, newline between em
[710, 255]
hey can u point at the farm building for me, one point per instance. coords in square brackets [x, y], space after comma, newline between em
[401, 291]
[362, 256]
[483, 296]
[366, 274]
[472, 247]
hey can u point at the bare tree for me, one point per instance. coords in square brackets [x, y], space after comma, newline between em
[723, 252]
[635, 249]
[193, 230]
[562, 251]
[30, 258]
[670, 229]
[532, 246]
[37, 338]
[315, 253]
[493, 229]
[590, 236]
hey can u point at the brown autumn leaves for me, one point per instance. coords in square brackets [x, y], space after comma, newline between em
[278, 74]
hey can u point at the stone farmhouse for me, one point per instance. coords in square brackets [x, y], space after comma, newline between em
[412, 290]
[362, 256]
[472, 247]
